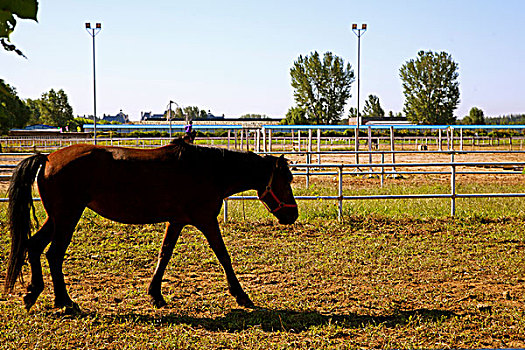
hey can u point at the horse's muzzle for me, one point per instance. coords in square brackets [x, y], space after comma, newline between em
[288, 219]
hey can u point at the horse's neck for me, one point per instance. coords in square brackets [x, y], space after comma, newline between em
[247, 172]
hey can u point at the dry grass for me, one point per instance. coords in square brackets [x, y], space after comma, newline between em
[370, 282]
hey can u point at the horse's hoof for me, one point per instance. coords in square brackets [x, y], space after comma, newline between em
[67, 304]
[158, 302]
[244, 301]
[29, 301]
[72, 309]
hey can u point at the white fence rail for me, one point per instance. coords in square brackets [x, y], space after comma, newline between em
[453, 195]
[385, 169]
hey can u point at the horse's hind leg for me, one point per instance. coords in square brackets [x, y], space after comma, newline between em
[36, 245]
[64, 227]
[170, 239]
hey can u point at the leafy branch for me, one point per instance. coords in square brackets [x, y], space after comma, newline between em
[24, 9]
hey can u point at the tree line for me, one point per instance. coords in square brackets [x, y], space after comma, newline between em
[322, 87]
[52, 108]
[430, 87]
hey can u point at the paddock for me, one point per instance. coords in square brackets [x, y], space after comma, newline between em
[391, 269]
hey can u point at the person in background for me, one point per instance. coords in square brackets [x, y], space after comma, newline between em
[189, 133]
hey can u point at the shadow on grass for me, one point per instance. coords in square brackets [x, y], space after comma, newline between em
[279, 320]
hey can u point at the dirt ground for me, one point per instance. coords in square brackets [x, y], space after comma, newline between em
[368, 283]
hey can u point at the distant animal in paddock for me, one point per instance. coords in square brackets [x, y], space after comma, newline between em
[181, 184]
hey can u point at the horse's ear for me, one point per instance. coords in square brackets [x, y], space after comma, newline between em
[282, 162]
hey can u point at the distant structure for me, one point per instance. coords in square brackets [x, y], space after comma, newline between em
[120, 117]
[210, 116]
[148, 116]
[380, 121]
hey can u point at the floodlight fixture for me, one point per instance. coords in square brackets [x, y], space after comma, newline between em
[358, 33]
[93, 32]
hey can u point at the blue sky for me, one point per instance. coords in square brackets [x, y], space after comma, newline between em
[234, 57]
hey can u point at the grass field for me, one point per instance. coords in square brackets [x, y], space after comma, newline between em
[396, 274]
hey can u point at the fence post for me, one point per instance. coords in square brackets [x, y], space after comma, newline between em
[357, 144]
[319, 146]
[263, 130]
[308, 157]
[382, 168]
[452, 137]
[257, 145]
[309, 140]
[225, 211]
[340, 193]
[392, 147]
[461, 139]
[452, 186]
[241, 138]
[270, 140]
[370, 145]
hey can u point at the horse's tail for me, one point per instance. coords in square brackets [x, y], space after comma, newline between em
[19, 214]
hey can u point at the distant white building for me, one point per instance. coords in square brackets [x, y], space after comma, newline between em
[120, 117]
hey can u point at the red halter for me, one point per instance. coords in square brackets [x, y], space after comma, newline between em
[269, 191]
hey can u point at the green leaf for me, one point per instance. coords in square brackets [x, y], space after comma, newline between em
[26, 9]
[7, 24]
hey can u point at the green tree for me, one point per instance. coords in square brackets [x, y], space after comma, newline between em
[295, 116]
[13, 111]
[475, 117]
[321, 87]
[55, 109]
[25, 9]
[34, 107]
[431, 88]
[178, 114]
[373, 107]
[192, 112]
[352, 112]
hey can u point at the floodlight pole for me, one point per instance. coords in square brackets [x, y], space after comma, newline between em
[169, 113]
[358, 32]
[93, 32]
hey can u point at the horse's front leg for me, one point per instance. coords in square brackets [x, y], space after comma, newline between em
[170, 239]
[212, 233]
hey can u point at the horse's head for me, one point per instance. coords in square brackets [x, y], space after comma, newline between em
[277, 195]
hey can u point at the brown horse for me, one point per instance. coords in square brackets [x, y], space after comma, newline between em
[180, 184]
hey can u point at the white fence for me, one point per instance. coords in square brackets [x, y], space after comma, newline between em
[380, 170]
[452, 165]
